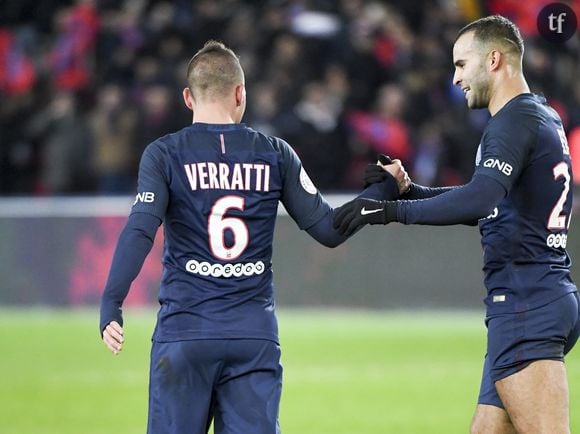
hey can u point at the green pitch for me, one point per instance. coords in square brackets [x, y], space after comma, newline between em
[345, 372]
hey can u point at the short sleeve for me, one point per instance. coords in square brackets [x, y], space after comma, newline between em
[152, 185]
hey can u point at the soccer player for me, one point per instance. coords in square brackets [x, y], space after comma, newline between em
[521, 195]
[216, 185]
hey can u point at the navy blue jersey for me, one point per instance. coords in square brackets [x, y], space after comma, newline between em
[216, 188]
[524, 239]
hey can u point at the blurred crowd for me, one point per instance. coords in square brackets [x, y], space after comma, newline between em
[87, 84]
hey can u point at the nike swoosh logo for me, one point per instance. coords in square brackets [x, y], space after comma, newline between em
[364, 211]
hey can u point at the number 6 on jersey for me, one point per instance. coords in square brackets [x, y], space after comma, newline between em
[218, 224]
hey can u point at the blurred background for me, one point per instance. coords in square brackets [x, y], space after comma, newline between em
[87, 84]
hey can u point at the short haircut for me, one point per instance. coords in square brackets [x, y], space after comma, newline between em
[213, 71]
[496, 29]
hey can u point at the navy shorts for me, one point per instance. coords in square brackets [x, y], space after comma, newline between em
[237, 383]
[515, 340]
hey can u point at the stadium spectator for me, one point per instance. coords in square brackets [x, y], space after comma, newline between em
[76, 34]
[287, 45]
[17, 71]
[65, 163]
[113, 125]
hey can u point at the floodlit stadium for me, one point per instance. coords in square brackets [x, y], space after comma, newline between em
[382, 334]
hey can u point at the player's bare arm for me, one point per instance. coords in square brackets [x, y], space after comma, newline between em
[113, 337]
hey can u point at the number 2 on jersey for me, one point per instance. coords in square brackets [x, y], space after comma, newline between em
[218, 223]
[557, 219]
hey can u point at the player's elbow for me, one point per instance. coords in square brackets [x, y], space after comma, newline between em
[327, 238]
[325, 234]
[484, 210]
[484, 196]
[331, 243]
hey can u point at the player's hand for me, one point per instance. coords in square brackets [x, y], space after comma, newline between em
[113, 337]
[375, 173]
[359, 212]
[398, 172]
[384, 168]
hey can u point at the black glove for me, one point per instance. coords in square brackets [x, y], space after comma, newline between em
[384, 159]
[375, 173]
[359, 212]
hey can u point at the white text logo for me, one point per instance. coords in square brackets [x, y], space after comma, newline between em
[225, 270]
[559, 19]
[503, 167]
[146, 197]
[557, 240]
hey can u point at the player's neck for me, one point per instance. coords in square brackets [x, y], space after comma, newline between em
[213, 114]
[507, 89]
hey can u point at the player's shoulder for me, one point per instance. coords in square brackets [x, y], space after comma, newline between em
[165, 145]
[278, 144]
[273, 143]
[268, 140]
[161, 144]
[520, 117]
[286, 156]
[526, 110]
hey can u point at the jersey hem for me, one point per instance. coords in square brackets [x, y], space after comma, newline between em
[198, 335]
[494, 310]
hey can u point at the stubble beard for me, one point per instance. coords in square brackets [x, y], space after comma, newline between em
[480, 92]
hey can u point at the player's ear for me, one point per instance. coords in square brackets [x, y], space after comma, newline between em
[494, 60]
[240, 93]
[188, 98]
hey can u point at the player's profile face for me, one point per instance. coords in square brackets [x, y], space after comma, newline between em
[470, 72]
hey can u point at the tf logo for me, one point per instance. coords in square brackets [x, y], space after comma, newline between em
[557, 22]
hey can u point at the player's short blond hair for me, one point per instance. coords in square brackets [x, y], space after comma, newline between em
[213, 71]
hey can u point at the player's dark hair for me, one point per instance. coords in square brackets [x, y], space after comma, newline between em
[495, 28]
[213, 70]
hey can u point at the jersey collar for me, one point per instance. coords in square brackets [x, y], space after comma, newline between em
[200, 126]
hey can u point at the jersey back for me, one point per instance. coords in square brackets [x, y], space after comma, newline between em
[217, 188]
[524, 240]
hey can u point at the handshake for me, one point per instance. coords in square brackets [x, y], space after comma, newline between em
[359, 212]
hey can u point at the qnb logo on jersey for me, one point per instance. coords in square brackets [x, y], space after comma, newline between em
[225, 270]
[557, 240]
[502, 166]
[145, 197]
